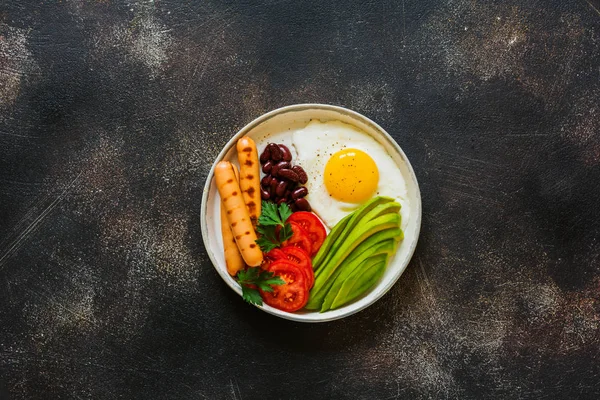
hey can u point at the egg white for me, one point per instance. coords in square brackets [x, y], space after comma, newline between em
[318, 141]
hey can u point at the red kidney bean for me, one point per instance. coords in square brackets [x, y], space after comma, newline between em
[292, 186]
[299, 193]
[264, 194]
[275, 152]
[286, 155]
[302, 177]
[265, 182]
[280, 201]
[280, 191]
[302, 204]
[265, 156]
[275, 170]
[294, 207]
[288, 174]
[273, 186]
[288, 194]
[279, 166]
[283, 165]
[267, 167]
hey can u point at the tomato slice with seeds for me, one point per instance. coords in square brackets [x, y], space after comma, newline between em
[299, 238]
[300, 257]
[293, 294]
[313, 226]
[273, 255]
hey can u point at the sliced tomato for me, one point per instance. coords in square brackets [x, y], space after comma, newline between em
[297, 256]
[313, 226]
[299, 238]
[300, 257]
[268, 258]
[275, 254]
[293, 294]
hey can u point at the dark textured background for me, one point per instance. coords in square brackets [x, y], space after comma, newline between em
[111, 114]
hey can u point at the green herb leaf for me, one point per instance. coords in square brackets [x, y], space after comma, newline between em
[255, 276]
[273, 214]
[252, 296]
[267, 242]
[267, 232]
[285, 233]
[247, 275]
[272, 227]
[267, 284]
[284, 212]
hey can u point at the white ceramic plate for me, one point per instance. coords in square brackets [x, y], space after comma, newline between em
[273, 127]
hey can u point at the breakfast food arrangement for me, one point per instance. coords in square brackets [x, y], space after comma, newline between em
[310, 225]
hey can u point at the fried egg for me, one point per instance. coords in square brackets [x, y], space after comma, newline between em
[345, 168]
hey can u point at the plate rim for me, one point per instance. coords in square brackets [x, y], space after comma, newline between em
[303, 107]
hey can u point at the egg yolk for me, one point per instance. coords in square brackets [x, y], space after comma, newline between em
[351, 176]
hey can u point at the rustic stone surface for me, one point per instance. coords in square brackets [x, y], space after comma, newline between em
[112, 112]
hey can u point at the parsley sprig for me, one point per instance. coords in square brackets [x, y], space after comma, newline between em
[255, 278]
[272, 228]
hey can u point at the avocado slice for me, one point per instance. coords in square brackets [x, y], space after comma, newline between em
[326, 253]
[358, 263]
[392, 233]
[362, 251]
[357, 285]
[375, 212]
[329, 241]
[357, 236]
[384, 208]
